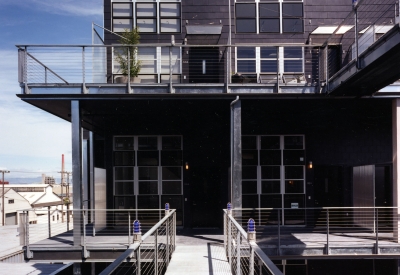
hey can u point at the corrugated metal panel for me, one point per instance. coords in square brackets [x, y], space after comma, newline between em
[364, 195]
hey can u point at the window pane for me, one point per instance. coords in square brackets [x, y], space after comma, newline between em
[124, 158]
[270, 157]
[147, 158]
[147, 53]
[124, 10]
[172, 187]
[171, 158]
[246, 52]
[123, 173]
[245, 25]
[270, 172]
[292, 25]
[293, 142]
[250, 201]
[249, 187]
[293, 52]
[148, 187]
[293, 157]
[294, 172]
[268, 187]
[268, 66]
[146, 78]
[124, 188]
[268, 52]
[170, 25]
[269, 25]
[148, 66]
[171, 173]
[292, 10]
[125, 203]
[148, 173]
[271, 142]
[171, 143]
[175, 79]
[246, 66]
[271, 201]
[148, 202]
[249, 157]
[294, 186]
[123, 143]
[146, 10]
[147, 143]
[246, 10]
[249, 172]
[170, 10]
[146, 25]
[120, 25]
[293, 66]
[249, 142]
[269, 10]
[176, 66]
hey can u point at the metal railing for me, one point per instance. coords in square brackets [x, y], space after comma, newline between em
[244, 255]
[374, 227]
[109, 227]
[150, 253]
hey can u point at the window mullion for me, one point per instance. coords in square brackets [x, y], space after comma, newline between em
[158, 17]
[258, 62]
[280, 17]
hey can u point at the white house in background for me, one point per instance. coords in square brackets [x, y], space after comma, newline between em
[40, 197]
[13, 202]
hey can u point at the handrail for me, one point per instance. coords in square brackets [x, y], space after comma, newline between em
[46, 67]
[133, 247]
[257, 250]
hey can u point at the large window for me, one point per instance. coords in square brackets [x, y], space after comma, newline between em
[159, 16]
[273, 173]
[273, 16]
[148, 172]
[154, 65]
[269, 61]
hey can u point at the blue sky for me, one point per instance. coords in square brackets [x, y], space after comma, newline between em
[31, 140]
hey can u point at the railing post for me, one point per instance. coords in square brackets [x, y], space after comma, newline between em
[377, 232]
[251, 238]
[279, 232]
[167, 244]
[171, 90]
[26, 71]
[237, 252]
[129, 71]
[28, 251]
[138, 263]
[84, 91]
[68, 217]
[229, 241]
[277, 69]
[45, 77]
[129, 228]
[326, 70]
[49, 221]
[327, 232]
[156, 252]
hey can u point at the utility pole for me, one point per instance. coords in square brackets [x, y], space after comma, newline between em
[3, 171]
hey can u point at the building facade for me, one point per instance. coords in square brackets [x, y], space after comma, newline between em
[262, 103]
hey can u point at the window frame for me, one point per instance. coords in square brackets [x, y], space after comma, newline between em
[157, 17]
[121, 17]
[281, 17]
[246, 17]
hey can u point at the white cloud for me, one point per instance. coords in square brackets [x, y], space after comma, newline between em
[63, 7]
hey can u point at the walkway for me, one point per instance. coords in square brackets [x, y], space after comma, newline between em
[199, 252]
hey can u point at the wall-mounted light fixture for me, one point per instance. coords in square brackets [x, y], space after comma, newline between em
[310, 165]
[186, 165]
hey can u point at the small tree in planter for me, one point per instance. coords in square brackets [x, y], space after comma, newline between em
[126, 54]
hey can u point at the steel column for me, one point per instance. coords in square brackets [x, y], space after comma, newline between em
[76, 132]
[236, 153]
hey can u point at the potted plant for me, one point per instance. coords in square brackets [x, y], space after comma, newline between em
[126, 55]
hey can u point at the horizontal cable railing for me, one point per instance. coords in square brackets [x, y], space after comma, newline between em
[274, 65]
[365, 24]
[332, 226]
[105, 228]
[244, 255]
[150, 253]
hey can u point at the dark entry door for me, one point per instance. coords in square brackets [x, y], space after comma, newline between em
[204, 65]
[205, 196]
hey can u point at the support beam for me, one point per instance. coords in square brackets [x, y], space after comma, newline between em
[396, 167]
[236, 153]
[76, 132]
